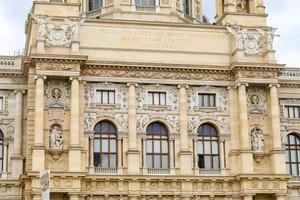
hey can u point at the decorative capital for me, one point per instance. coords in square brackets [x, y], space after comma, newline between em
[20, 91]
[241, 84]
[75, 78]
[132, 84]
[274, 85]
[36, 77]
[184, 86]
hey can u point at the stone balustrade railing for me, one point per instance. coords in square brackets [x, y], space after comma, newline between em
[290, 73]
[158, 171]
[7, 61]
[103, 170]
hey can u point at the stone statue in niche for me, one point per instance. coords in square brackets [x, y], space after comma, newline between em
[56, 138]
[242, 5]
[257, 140]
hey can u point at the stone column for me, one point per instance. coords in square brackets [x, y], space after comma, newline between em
[38, 153]
[120, 166]
[246, 154]
[5, 153]
[229, 6]
[132, 153]
[277, 154]
[74, 196]
[280, 197]
[171, 152]
[248, 197]
[222, 154]
[74, 149]
[195, 153]
[185, 155]
[91, 140]
[260, 7]
[144, 140]
[17, 158]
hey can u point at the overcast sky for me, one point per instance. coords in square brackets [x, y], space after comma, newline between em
[283, 14]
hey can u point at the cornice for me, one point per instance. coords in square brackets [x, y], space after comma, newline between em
[55, 58]
[256, 66]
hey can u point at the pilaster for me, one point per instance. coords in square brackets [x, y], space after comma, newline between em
[74, 149]
[17, 158]
[185, 155]
[277, 156]
[38, 153]
[133, 154]
[245, 149]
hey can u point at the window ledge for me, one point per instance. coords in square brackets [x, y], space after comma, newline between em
[206, 109]
[105, 106]
[209, 172]
[157, 107]
[295, 179]
[3, 112]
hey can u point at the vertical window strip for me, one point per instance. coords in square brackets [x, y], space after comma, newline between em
[207, 100]
[105, 96]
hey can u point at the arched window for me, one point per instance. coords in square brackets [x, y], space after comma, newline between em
[105, 145]
[292, 154]
[157, 147]
[1, 151]
[207, 147]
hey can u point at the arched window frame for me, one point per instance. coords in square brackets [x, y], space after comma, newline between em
[292, 160]
[111, 137]
[151, 139]
[200, 148]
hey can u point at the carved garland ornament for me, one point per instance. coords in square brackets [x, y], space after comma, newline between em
[92, 118]
[172, 120]
[57, 94]
[256, 98]
[56, 34]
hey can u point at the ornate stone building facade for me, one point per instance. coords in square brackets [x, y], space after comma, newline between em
[146, 100]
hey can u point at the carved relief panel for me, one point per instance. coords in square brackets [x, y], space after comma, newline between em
[57, 94]
[119, 90]
[221, 98]
[143, 102]
[256, 100]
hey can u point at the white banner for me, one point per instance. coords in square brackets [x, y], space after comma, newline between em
[45, 184]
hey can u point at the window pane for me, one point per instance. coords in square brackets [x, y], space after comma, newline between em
[216, 162]
[156, 161]
[200, 147]
[292, 139]
[98, 97]
[149, 161]
[294, 170]
[293, 155]
[206, 103]
[156, 146]
[201, 161]
[96, 145]
[212, 100]
[288, 170]
[287, 156]
[207, 162]
[96, 159]
[164, 144]
[296, 112]
[163, 99]
[113, 160]
[104, 162]
[105, 97]
[150, 98]
[285, 112]
[1, 164]
[105, 146]
[214, 147]
[165, 161]
[104, 127]
[1, 103]
[111, 97]
[149, 146]
[156, 99]
[291, 112]
[113, 147]
[207, 149]
[200, 100]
